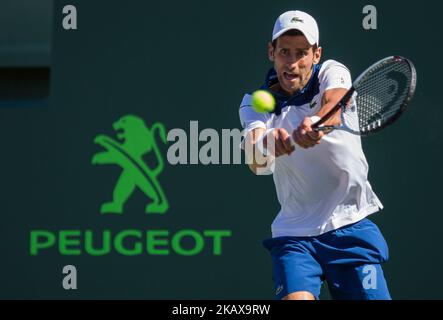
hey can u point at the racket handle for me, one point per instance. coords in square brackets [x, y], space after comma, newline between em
[325, 129]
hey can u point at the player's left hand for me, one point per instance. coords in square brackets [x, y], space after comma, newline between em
[305, 136]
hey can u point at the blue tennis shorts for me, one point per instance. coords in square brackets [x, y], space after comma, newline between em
[348, 259]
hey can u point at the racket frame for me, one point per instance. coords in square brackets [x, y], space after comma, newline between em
[343, 103]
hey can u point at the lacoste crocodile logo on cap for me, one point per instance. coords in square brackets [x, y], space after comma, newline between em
[296, 19]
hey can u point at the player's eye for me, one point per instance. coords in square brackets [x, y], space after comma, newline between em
[284, 52]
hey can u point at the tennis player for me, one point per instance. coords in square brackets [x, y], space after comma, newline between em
[321, 232]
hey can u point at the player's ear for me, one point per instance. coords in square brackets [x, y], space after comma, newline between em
[317, 55]
[270, 52]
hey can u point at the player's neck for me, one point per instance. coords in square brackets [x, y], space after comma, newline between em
[279, 90]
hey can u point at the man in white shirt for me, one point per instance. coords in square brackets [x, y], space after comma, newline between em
[321, 232]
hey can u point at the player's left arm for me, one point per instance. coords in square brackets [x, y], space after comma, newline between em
[330, 98]
[304, 136]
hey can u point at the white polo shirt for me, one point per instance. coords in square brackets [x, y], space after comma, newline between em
[325, 187]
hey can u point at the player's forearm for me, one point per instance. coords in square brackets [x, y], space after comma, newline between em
[254, 157]
[334, 120]
[329, 101]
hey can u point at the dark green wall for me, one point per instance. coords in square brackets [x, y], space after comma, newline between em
[25, 32]
[176, 61]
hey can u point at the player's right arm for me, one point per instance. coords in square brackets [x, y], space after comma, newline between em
[254, 158]
[275, 141]
[262, 144]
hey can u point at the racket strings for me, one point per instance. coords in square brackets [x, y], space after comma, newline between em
[381, 93]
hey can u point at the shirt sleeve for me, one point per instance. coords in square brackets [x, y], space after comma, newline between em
[251, 119]
[335, 75]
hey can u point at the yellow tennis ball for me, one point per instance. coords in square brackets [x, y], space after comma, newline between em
[263, 101]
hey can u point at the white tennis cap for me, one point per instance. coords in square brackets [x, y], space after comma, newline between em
[297, 20]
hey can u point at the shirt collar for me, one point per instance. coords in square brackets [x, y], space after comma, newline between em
[305, 95]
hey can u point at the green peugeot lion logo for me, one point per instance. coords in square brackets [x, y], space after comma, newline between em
[135, 141]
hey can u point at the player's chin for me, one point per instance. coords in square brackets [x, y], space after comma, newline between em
[292, 87]
[291, 83]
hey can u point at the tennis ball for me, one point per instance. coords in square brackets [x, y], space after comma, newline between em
[263, 101]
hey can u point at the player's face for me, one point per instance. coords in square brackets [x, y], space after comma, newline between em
[293, 59]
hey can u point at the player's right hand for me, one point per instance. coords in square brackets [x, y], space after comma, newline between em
[305, 137]
[278, 142]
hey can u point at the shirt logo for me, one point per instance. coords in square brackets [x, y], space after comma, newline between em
[279, 289]
[313, 104]
[296, 19]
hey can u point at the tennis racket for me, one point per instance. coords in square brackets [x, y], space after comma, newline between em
[381, 93]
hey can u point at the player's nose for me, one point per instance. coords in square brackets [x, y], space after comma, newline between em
[292, 67]
[292, 64]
